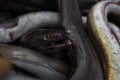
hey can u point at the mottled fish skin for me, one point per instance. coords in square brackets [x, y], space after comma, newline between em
[50, 41]
[13, 52]
[25, 23]
[13, 75]
[115, 31]
[39, 70]
[105, 36]
[87, 63]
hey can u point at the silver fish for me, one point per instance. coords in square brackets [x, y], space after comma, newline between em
[87, 65]
[39, 70]
[106, 36]
[13, 52]
[14, 29]
[13, 75]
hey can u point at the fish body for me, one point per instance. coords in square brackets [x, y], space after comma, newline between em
[39, 70]
[18, 75]
[86, 60]
[14, 29]
[13, 52]
[105, 36]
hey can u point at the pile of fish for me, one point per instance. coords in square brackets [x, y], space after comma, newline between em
[59, 40]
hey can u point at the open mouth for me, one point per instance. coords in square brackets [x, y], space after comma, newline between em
[56, 44]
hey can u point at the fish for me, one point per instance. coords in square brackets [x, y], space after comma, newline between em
[86, 5]
[15, 28]
[39, 70]
[18, 75]
[12, 52]
[86, 63]
[49, 41]
[103, 29]
[116, 31]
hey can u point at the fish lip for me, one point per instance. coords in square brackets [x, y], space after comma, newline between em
[56, 45]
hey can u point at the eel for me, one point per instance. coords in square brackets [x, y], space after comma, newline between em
[86, 63]
[15, 28]
[18, 75]
[13, 52]
[39, 70]
[103, 29]
[48, 41]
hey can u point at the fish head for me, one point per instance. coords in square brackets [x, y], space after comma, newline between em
[49, 40]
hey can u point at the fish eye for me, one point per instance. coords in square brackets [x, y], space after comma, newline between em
[46, 37]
